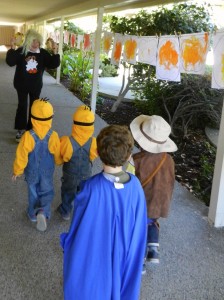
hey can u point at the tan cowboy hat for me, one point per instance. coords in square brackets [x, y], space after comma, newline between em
[152, 134]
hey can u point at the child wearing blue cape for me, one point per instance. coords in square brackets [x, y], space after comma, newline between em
[104, 248]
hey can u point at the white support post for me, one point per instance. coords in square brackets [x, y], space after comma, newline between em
[24, 28]
[60, 49]
[44, 33]
[216, 209]
[96, 58]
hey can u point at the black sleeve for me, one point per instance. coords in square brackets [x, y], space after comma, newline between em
[51, 61]
[13, 56]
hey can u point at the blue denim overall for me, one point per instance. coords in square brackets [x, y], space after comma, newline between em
[77, 169]
[39, 176]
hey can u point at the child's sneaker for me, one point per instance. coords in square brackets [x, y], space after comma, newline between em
[32, 218]
[64, 216]
[19, 135]
[41, 222]
[143, 269]
[153, 255]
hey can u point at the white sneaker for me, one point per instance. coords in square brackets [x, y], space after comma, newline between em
[41, 222]
[144, 269]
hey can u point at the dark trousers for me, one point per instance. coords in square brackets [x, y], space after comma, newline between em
[69, 188]
[25, 101]
[153, 232]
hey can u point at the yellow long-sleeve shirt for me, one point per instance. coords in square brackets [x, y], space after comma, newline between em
[81, 134]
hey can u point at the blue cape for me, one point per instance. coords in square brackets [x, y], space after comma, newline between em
[104, 248]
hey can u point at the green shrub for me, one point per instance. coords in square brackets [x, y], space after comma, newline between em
[76, 65]
[203, 185]
[108, 70]
[191, 103]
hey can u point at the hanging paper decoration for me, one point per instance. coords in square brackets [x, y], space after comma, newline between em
[107, 41]
[86, 42]
[72, 39]
[130, 49]
[93, 37]
[57, 36]
[53, 36]
[66, 37]
[80, 41]
[193, 52]
[117, 49]
[167, 64]
[218, 67]
[147, 48]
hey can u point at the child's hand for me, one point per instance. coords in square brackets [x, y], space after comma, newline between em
[14, 177]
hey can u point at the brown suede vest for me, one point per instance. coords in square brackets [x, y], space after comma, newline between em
[158, 191]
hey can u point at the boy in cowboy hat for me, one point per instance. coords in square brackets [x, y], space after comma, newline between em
[36, 155]
[155, 170]
[78, 151]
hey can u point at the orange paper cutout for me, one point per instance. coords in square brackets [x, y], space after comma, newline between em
[107, 43]
[72, 39]
[117, 51]
[194, 52]
[168, 55]
[130, 49]
[87, 41]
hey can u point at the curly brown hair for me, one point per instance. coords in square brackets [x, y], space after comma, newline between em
[114, 145]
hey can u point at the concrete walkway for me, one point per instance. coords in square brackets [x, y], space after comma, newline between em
[191, 255]
[213, 135]
[110, 86]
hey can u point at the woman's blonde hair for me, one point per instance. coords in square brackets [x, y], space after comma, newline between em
[29, 37]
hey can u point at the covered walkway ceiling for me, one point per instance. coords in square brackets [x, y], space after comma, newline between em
[24, 11]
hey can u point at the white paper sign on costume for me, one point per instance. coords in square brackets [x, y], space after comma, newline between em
[218, 67]
[147, 49]
[193, 52]
[130, 49]
[168, 59]
[117, 49]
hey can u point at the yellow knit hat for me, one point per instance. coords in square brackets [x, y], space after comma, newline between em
[42, 110]
[83, 116]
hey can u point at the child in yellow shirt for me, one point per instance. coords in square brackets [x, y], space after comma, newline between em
[37, 153]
